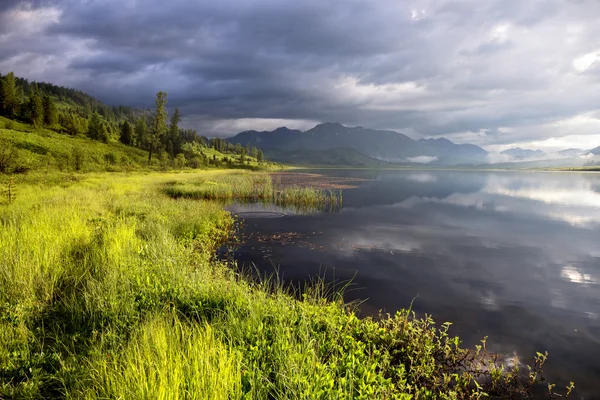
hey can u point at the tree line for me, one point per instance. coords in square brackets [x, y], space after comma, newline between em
[81, 114]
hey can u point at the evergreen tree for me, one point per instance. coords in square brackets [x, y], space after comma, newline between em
[173, 138]
[9, 96]
[36, 107]
[260, 156]
[140, 132]
[97, 129]
[50, 113]
[159, 127]
[126, 136]
[73, 124]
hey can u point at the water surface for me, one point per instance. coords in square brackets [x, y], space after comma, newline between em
[510, 255]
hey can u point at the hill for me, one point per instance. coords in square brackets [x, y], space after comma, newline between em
[522, 154]
[53, 127]
[384, 146]
[24, 148]
[571, 152]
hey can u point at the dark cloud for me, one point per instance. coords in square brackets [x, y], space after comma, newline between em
[428, 67]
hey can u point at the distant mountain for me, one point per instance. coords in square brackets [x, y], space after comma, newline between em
[571, 152]
[387, 146]
[595, 151]
[338, 157]
[522, 154]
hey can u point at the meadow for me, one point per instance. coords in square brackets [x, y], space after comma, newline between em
[110, 288]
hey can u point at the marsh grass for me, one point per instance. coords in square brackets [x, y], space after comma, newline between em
[110, 289]
[247, 187]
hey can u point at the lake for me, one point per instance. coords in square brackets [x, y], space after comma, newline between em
[510, 255]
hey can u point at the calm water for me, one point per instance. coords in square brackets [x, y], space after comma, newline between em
[510, 255]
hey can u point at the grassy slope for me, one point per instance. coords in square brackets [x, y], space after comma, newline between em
[44, 149]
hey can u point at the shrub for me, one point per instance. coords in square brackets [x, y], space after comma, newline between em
[195, 162]
[110, 158]
[179, 161]
[78, 158]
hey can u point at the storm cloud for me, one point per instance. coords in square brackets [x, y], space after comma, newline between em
[493, 73]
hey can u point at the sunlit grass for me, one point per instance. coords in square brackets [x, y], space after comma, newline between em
[253, 187]
[167, 359]
[109, 288]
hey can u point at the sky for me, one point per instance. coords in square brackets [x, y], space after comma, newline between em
[496, 73]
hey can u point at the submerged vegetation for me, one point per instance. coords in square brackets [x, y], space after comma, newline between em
[254, 187]
[109, 288]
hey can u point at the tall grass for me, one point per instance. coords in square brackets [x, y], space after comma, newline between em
[254, 187]
[168, 359]
[109, 289]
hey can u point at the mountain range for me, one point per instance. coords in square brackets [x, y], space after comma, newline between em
[378, 145]
[335, 144]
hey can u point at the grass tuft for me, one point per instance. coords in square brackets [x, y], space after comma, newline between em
[254, 188]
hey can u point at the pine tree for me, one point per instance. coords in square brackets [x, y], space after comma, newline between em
[159, 127]
[97, 129]
[50, 113]
[9, 96]
[140, 132]
[36, 108]
[260, 156]
[173, 141]
[126, 136]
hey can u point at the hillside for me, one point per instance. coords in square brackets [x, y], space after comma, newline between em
[24, 148]
[386, 146]
[43, 126]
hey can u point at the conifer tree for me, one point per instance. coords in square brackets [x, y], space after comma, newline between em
[173, 140]
[9, 96]
[50, 113]
[97, 129]
[36, 107]
[159, 127]
[140, 132]
[126, 136]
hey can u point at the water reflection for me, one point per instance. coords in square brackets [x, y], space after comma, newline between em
[511, 255]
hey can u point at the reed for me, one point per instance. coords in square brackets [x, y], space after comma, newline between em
[254, 188]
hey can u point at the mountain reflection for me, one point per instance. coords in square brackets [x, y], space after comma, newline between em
[512, 255]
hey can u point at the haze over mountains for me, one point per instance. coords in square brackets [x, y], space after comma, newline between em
[364, 146]
[521, 154]
[388, 146]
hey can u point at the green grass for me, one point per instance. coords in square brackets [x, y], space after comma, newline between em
[109, 288]
[253, 187]
[46, 150]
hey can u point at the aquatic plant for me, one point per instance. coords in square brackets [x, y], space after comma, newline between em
[255, 187]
